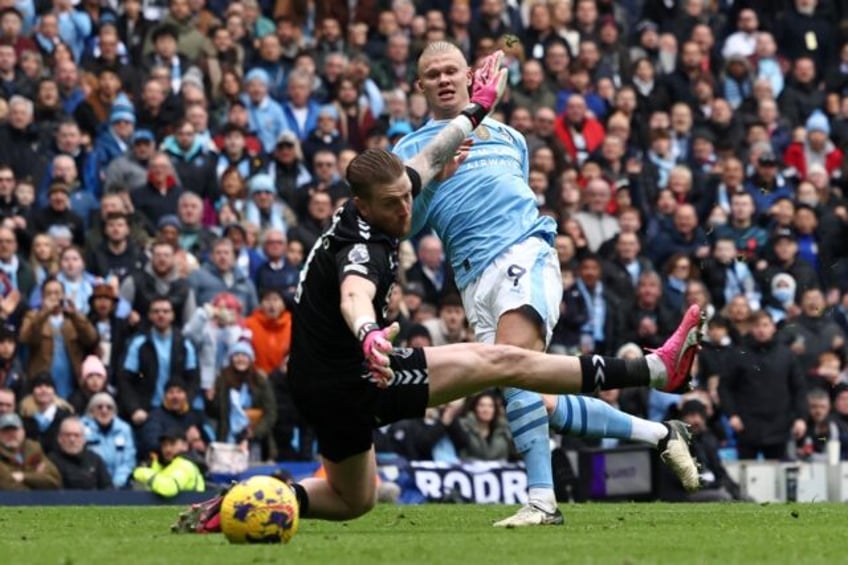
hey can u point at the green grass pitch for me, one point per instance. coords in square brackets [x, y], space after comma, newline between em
[436, 534]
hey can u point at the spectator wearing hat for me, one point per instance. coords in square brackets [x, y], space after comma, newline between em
[266, 116]
[270, 330]
[193, 164]
[173, 468]
[58, 335]
[780, 303]
[80, 467]
[153, 358]
[160, 195]
[110, 437]
[129, 171]
[287, 167]
[766, 184]
[244, 404]
[325, 136]
[93, 380]
[263, 209]
[114, 141]
[42, 411]
[396, 131]
[784, 259]
[23, 465]
[113, 330]
[175, 412]
[817, 148]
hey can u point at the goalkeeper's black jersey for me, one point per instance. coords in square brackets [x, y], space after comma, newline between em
[322, 344]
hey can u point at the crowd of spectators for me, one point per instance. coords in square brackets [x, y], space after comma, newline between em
[166, 166]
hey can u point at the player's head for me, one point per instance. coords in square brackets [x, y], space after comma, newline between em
[444, 77]
[382, 191]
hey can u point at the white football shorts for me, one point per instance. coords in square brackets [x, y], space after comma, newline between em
[526, 274]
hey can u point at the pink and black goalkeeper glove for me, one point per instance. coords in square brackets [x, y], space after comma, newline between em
[487, 88]
[376, 346]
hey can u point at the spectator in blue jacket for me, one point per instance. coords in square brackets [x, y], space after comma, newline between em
[110, 437]
[74, 26]
[265, 115]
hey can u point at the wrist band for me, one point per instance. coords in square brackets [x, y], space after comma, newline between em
[363, 326]
[475, 113]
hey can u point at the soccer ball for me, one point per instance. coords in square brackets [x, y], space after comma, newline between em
[260, 509]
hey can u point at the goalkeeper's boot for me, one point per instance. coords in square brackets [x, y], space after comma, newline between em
[674, 452]
[532, 515]
[671, 364]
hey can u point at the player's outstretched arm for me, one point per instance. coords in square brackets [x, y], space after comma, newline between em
[357, 308]
[487, 90]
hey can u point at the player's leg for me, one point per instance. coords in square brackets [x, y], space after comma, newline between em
[585, 416]
[349, 491]
[527, 417]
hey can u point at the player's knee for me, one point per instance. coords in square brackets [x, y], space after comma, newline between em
[502, 361]
[363, 504]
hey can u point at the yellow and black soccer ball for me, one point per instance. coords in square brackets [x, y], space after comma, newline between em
[260, 509]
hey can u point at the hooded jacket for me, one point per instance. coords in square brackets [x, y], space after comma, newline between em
[271, 339]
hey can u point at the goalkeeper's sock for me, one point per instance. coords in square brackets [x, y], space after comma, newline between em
[585, 416]
[528, 422]
[302, 499]
[603, 373]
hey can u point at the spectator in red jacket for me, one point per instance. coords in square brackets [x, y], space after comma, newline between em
[580, 133]
[817, 148]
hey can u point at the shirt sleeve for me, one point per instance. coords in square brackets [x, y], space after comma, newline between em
[366, 260]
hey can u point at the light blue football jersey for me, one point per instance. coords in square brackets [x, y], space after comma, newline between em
[486, 206]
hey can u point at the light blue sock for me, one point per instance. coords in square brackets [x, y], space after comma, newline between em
[528, 422]
[585, 416]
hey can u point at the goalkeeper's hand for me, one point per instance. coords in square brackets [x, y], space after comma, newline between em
[376, 346]
[489, 82]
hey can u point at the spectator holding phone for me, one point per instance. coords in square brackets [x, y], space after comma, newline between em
[58, 336]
